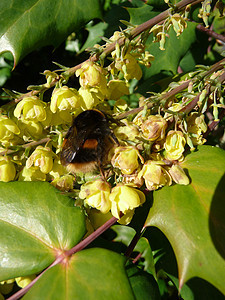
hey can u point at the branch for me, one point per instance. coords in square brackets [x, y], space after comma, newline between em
[211, 33]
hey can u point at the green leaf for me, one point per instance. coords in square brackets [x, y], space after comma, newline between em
[89, 274]
[27, 25]
[143, 284]
[94, 36]
[36, 223]
[125, 235]
[192, 217]
[141, 14]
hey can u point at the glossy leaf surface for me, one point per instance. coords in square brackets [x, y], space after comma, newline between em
[36, 224]
[27, 25]
[192, 217]
[89, 274]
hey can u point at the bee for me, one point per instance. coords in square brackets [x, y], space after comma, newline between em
[87, 142]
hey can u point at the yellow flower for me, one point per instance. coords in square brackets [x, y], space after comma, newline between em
[126, 159]
[92, 75]
[96, 194]
[129, 66]
[31, 174]
[155, 175]
[174, 145]
[91, 97]
[8, 130]
[129, 132]
[196, 127]
[65, 98]
[42, 158]
[125, 199]
[7, 169]
[30, 129]
[64, 183]
[30, 109]
[117, 89]
[154, 128]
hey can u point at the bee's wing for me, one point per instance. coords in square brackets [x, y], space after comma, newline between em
[72, 143]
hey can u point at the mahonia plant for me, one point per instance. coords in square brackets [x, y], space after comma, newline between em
[152, 142]
[152, 139]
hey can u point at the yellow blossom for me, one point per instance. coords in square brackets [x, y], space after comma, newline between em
[174, 145]
[7, 169]
[117, 89]
[196, 128]
[129, 66]
[30, 109]
[154, 128]
[91, 97]
[42, 158]
[126, 159]
[125, 199]
[30, 129]
[129, 132]
[8, 130]
[93, 75]
[31, 174]
[96, 194]
[63, 183]
[65, 99]
[155, 175]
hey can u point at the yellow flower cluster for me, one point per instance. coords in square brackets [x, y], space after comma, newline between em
[121, 200]
[151, 146]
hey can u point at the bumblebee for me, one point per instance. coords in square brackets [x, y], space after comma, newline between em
[87, 142]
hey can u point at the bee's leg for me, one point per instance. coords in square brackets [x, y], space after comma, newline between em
[101, 170]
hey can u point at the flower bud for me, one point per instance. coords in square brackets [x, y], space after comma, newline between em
[154, 128]
[92, 75]
[126, 159]
[8, 130]
[174, 145]
[96, 194]
[117, 89]
[7, 169]
[124, 199]
[64, 183]
[178, 175]
[65, 98]
[42, 158]
[155, 175]
[30, 109]
[31, 174]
